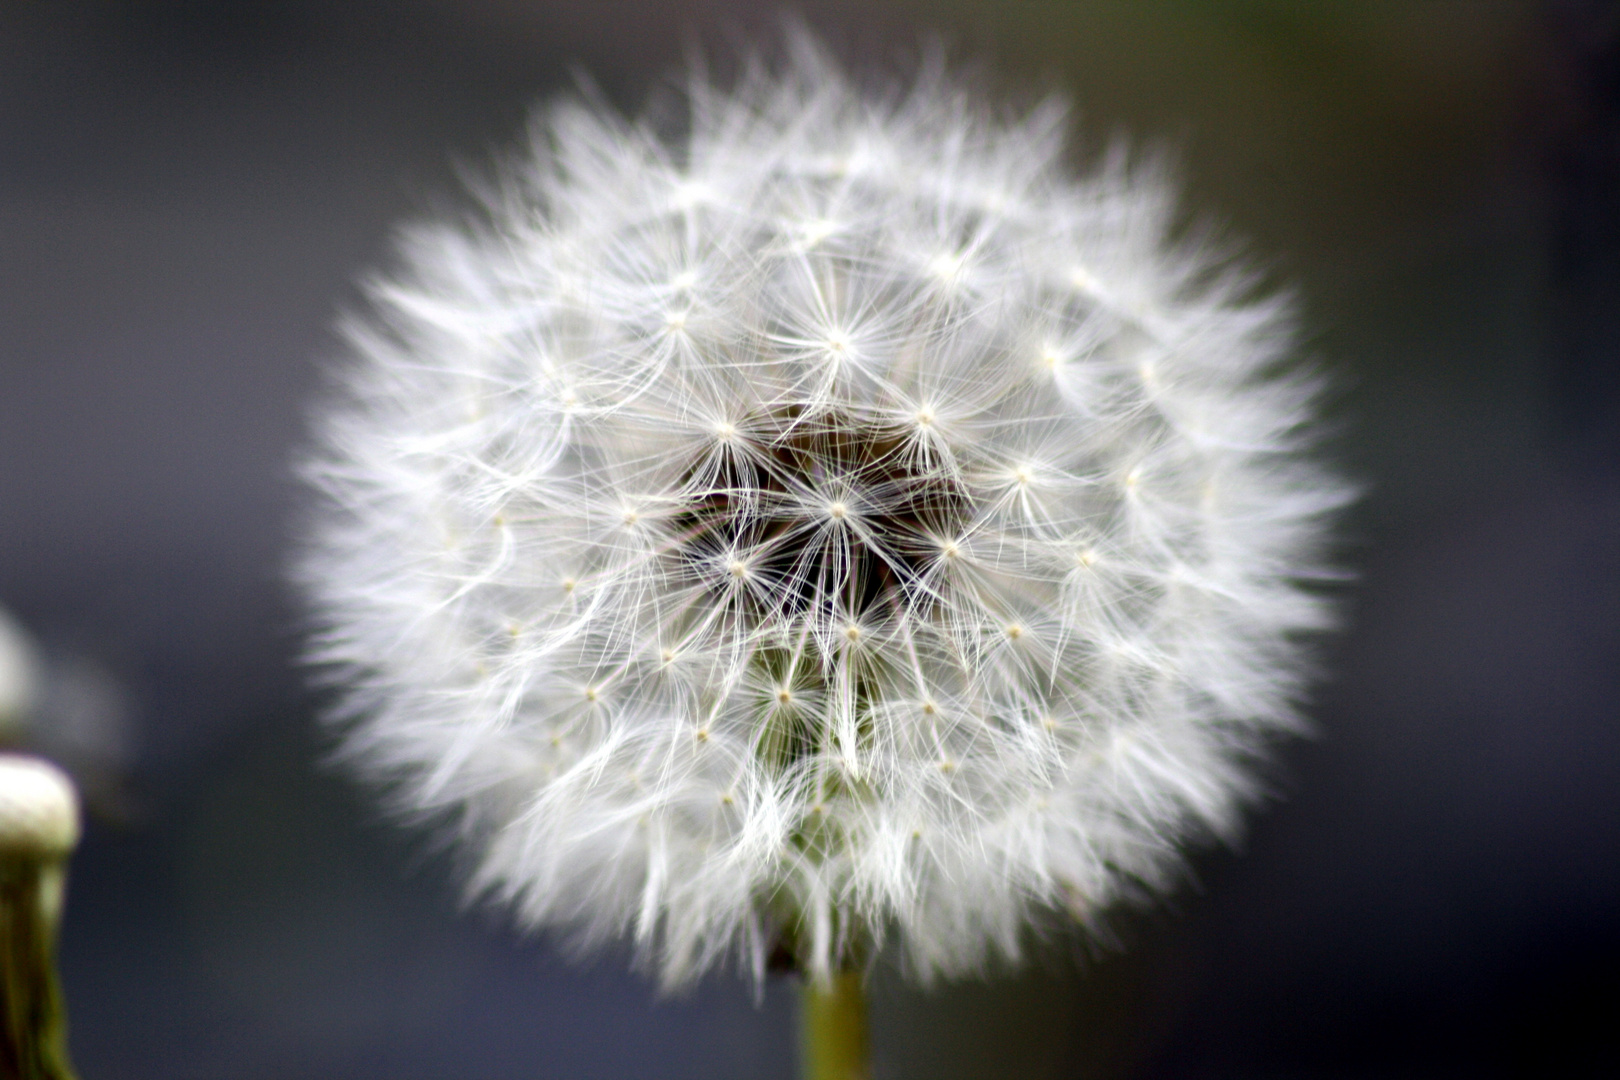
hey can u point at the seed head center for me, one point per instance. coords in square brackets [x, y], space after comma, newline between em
[752, 511]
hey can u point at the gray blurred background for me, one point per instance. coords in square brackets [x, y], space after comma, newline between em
[190, 188]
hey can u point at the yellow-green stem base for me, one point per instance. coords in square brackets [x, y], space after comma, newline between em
[33, 1025]
[832, 1032]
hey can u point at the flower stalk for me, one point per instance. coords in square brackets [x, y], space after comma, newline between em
[833, 1041]
[38, 831]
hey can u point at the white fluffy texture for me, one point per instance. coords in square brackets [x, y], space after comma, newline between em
[835, 522]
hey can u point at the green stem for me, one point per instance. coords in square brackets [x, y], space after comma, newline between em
[33, 1043]
[832, 1034]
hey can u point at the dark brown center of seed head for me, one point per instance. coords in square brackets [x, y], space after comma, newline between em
[823, 510]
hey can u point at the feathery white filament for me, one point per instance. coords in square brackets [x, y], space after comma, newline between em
[838, 522]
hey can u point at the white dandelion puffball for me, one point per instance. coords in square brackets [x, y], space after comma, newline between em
[837, 524]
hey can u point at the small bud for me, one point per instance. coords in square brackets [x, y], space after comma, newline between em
[39, 809]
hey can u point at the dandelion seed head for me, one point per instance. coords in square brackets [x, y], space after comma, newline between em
[697, 532]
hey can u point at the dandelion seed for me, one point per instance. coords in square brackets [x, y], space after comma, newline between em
[947, 267]
[814, 232]
[766, 494]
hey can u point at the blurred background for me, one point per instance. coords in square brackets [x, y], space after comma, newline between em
[189, 190]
